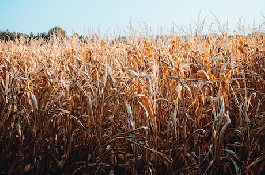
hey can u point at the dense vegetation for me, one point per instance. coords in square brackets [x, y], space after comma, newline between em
[55, 31]
[141, 105]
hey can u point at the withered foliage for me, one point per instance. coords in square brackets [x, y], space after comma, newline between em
[180, 105]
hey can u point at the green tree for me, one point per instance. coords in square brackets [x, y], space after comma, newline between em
[6, 35]
[57, 31]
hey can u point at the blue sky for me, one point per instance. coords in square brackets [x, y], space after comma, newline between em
[114, 15]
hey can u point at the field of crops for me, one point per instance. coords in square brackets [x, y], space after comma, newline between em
[142, 105]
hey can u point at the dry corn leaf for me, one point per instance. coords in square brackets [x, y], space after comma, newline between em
[242, 41]
[146, 103]
[203, 75]
[257, 160]
[27, 168]
[165, 72]
[212, 77]
[129, 110]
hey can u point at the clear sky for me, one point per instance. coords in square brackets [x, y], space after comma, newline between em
[114, 15]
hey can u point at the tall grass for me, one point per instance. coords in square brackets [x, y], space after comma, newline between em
[173, 105]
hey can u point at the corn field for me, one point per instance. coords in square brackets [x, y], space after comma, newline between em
[172, 105]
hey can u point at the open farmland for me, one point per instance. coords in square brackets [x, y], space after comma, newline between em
[142, 105]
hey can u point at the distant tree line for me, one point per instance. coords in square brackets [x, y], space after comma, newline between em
[55, 31]
[59, 32]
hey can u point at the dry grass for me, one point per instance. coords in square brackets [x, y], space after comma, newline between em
[176, 105]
